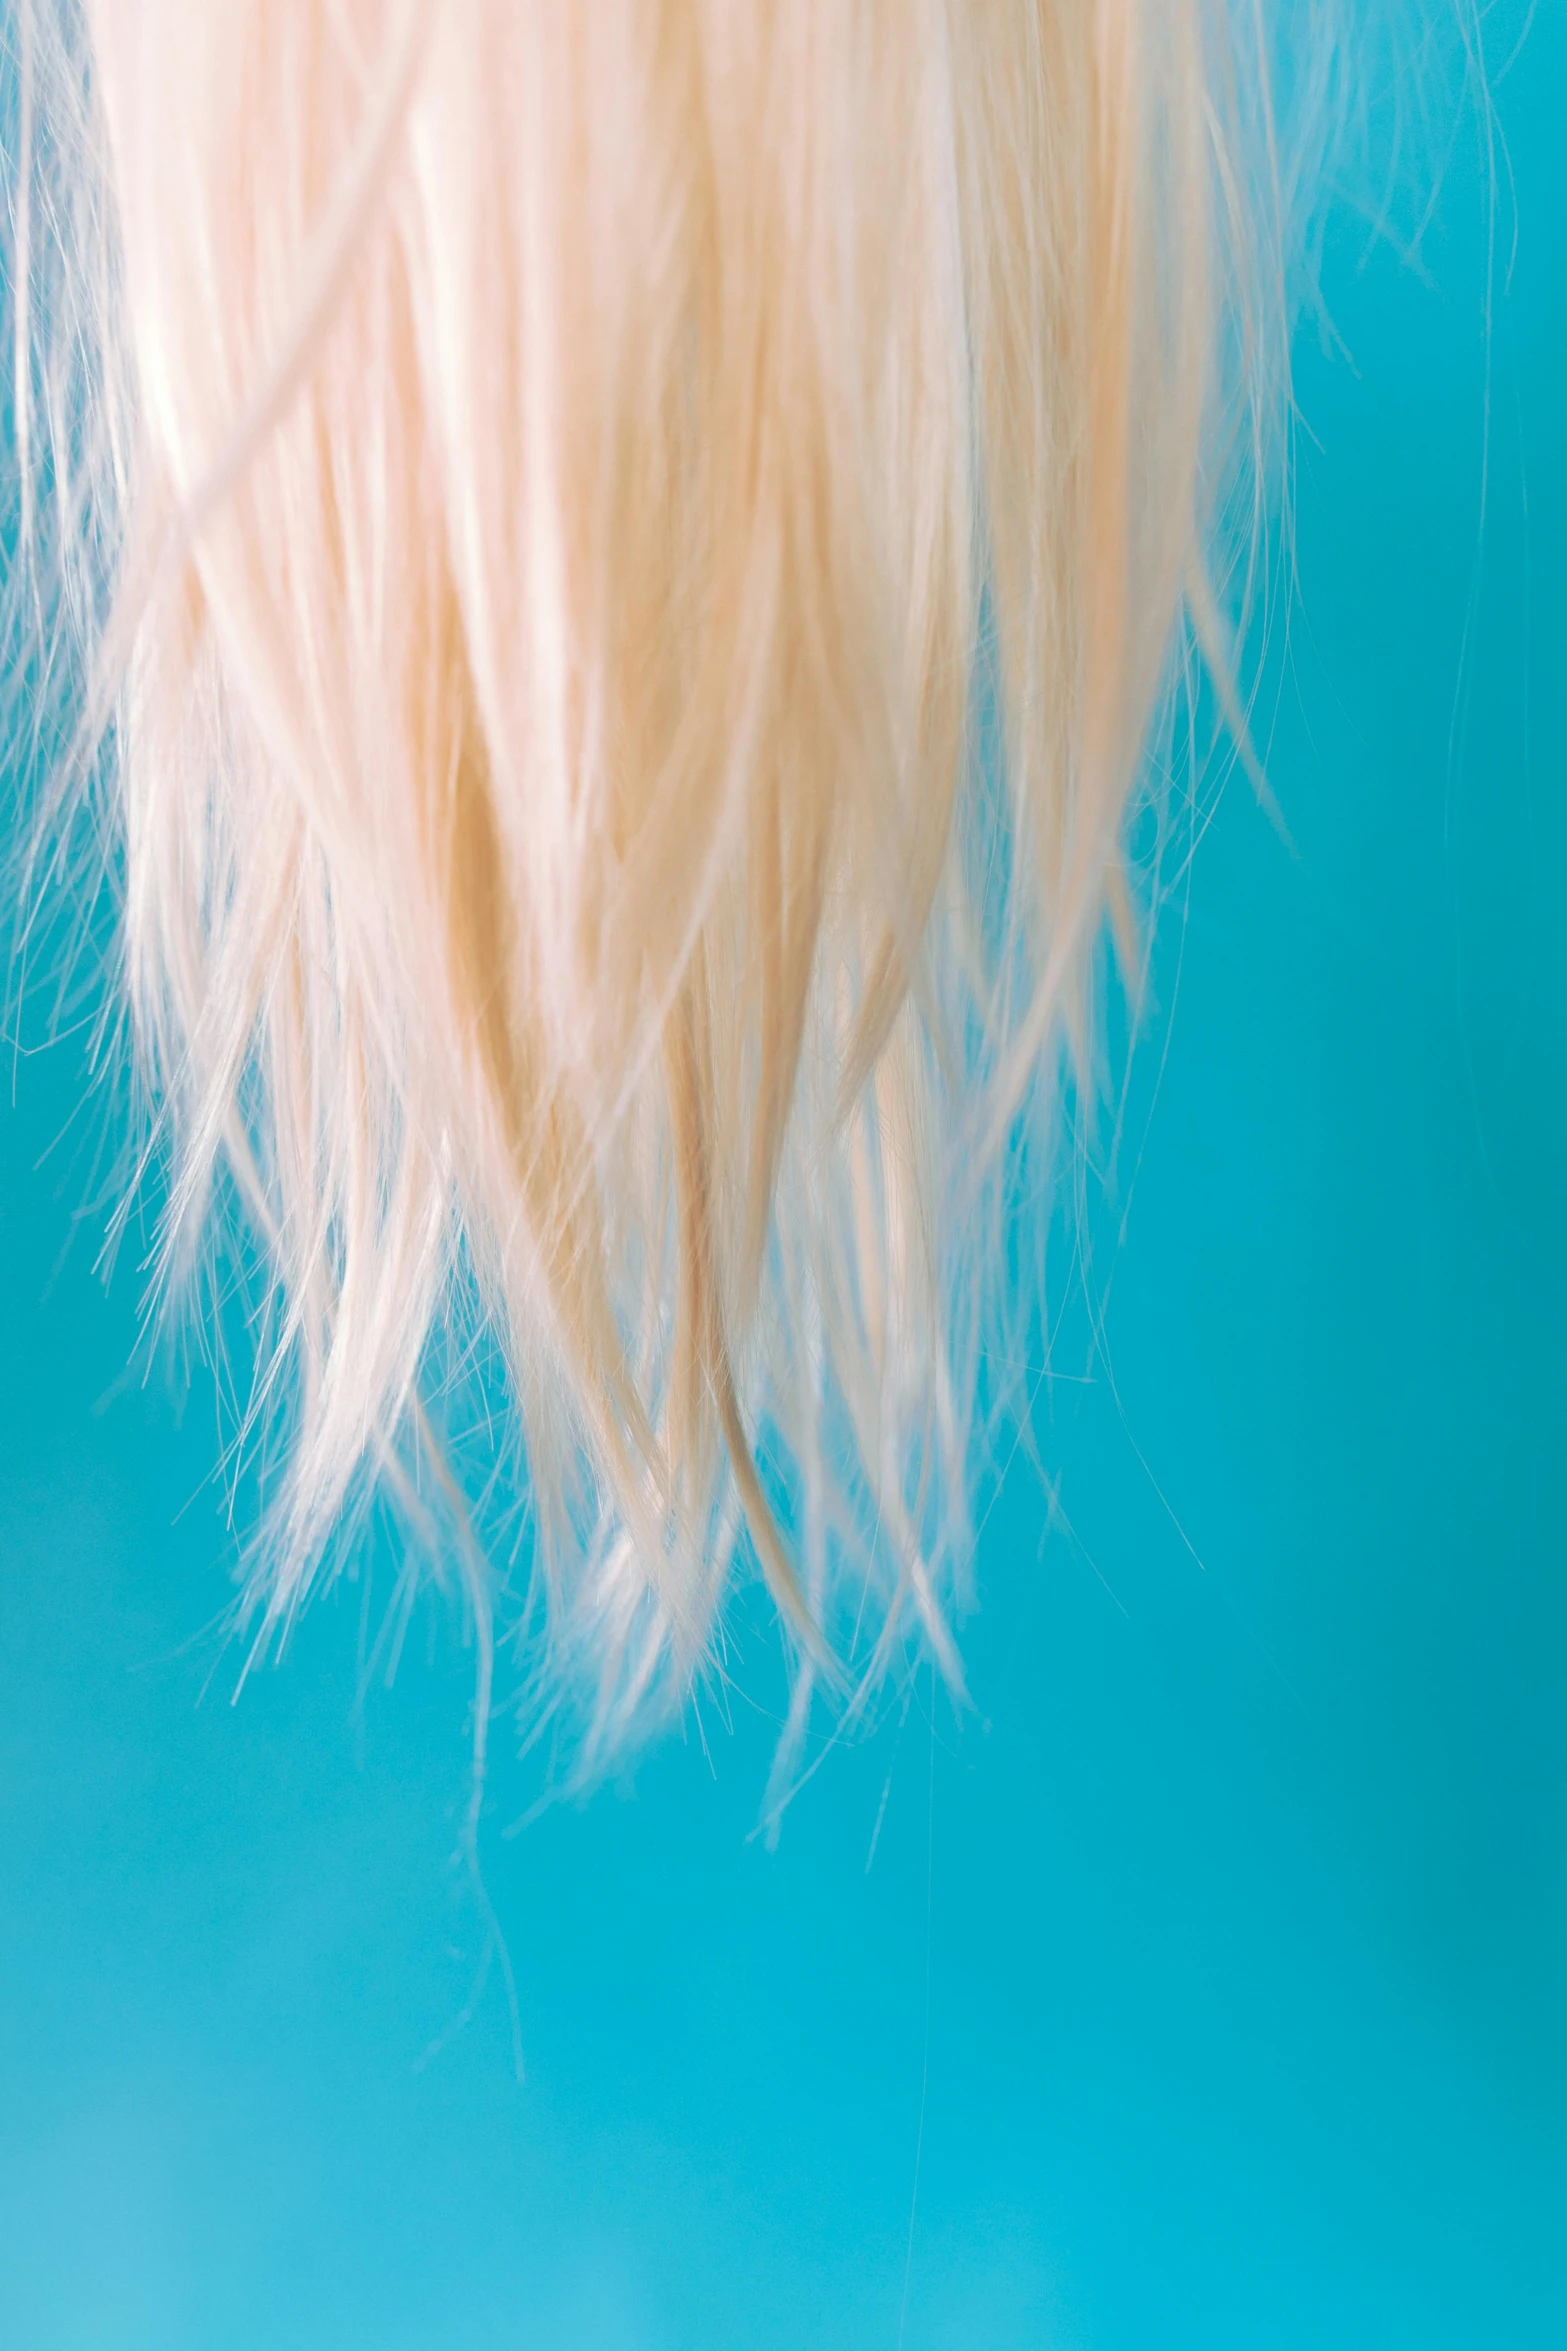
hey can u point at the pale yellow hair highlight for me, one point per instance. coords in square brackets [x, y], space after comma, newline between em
[654, 535]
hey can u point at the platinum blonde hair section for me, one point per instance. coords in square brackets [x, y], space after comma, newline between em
[627, 557]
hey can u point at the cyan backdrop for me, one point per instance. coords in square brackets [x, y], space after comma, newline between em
[1208, 1985]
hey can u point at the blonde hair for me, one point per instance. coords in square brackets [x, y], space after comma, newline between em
[629, 552]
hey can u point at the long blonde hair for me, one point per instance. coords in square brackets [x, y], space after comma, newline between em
[628, 553]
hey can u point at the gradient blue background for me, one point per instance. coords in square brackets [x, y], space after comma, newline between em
[1225, 1942]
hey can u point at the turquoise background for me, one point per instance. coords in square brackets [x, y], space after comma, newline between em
[1210, 1977]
